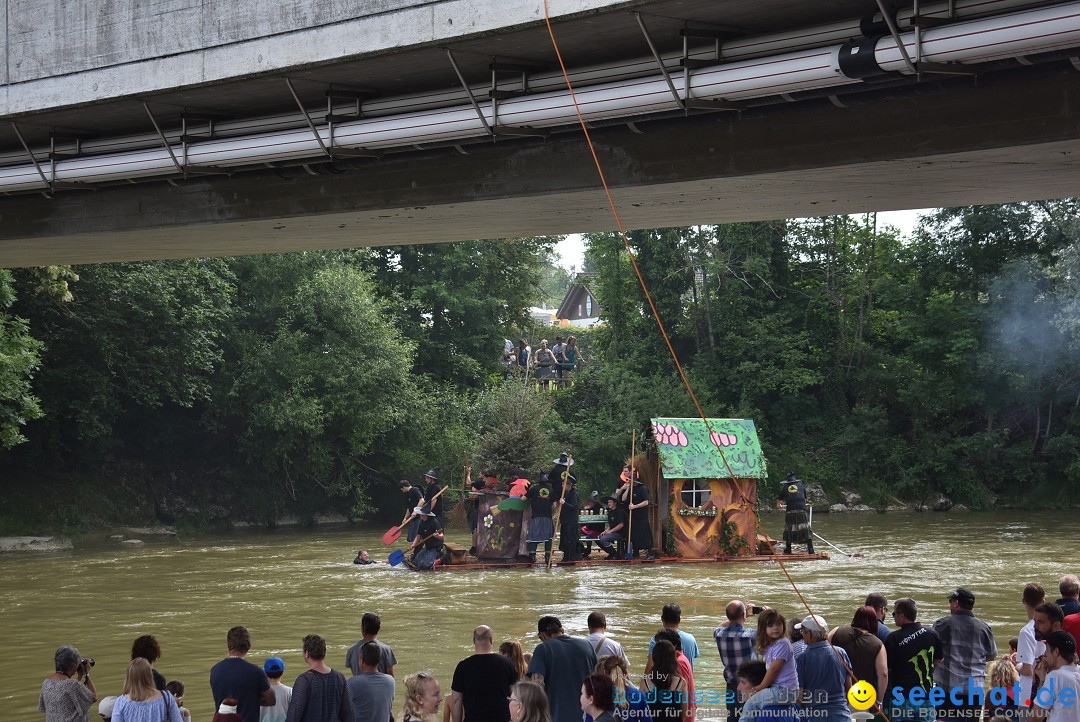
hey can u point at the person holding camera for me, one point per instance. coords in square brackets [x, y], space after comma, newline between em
[66, 695]
[735, 642]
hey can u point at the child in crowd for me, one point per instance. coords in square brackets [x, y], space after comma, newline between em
[776, 651]
[1002, 674]
[274, 668]
[105, 707]
[1013, 644]
[176, 687]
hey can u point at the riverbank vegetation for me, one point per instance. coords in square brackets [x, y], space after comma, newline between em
[946, 362]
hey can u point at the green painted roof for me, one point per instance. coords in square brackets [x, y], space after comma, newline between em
[687, 452]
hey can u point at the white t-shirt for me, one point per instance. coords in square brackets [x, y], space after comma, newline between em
[1027, 651]
[1065, 684]
[608, 648]
[280, 710]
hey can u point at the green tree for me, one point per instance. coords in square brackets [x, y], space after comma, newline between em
[319, 377]
[457, 301]
[136, 337]
[517, 434]
[19, 359]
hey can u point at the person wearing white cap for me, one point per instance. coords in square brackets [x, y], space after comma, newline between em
[823, 677]
[105, 707]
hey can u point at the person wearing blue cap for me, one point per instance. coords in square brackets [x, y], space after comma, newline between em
[274, 668]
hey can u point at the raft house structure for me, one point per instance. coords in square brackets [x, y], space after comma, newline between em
[702, 509]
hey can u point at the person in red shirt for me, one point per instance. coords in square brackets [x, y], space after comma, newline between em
[1072, 625]
[686, 671]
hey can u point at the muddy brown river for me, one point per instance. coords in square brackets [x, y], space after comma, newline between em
[288, 583]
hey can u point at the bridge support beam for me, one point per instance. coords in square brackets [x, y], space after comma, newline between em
[952, 144]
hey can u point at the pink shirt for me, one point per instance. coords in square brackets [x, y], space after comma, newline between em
[687, 673]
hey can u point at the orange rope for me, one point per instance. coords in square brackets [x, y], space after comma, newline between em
[648, 296]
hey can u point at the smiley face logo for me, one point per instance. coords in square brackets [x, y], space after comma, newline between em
[862, 695]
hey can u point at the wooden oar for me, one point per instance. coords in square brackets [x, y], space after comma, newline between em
[558, 511]
[394, 533]
[398, 555]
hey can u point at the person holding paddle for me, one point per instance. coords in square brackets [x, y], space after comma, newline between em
[541, 528]
[636, 498]
[413, 498]
[569, 531]
[428, 545]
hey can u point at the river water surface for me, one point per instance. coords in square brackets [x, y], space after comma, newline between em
[288, 583]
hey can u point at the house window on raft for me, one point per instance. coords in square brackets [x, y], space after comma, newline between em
[696, 492]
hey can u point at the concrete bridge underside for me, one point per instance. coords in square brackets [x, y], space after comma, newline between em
[954, 143]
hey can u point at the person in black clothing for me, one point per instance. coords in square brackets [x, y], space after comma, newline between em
[428, 551]
[431, 478]
[912, 650]
[569, 531]
[637, 505]
[796, 522]
[482, 682]
[616, 519]
[571, 506]
[593, 530]
[561, 466]
[413, 499]
[148, 648]
[541, 528]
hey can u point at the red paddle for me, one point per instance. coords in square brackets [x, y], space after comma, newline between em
[394, 533]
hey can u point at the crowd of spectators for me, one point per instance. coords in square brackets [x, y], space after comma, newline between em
[803, 671]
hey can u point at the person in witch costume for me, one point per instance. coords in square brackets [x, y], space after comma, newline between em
[637, 503]
[542, 497]
[428, 551]
[796, 520]
[431, 480]
[571, 506]
[569, 526]
[562, 466]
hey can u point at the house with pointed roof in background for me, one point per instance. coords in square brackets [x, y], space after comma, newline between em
[579, 307]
